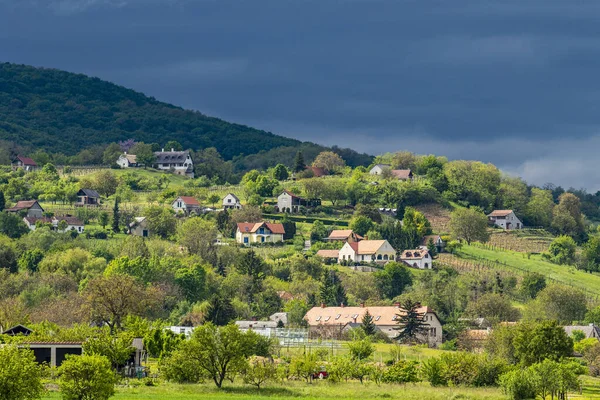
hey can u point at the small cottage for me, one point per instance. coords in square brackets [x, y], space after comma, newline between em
[367, 251]
[186, 205]
[231, 202]
[259, 232]
[505, 219]
[56, 224]
[290, 203]
[24, 163]
[343, 235]
[379, 168]
[437, 242]
[419, 258]
[31, 207]
[127, 160]
[139, 227]
[87, 197]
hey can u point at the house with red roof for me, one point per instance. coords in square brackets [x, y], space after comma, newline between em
[31, 207]
[367, 251]
[25, 163]
[259, 232]
[505, 219]
[186, 205]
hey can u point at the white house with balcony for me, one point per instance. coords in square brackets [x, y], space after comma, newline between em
[259, 232]
[231, 202]
[367, 251]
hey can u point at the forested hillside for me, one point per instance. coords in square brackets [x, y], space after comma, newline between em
[62, 112]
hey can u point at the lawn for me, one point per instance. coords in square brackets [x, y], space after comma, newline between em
[290, 389]
[521, 263]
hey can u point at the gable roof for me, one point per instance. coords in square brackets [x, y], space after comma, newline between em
[23, 205]
[402, 173]
[171, 157]
[131, 158]
[500, 213]
[342, 234]
[369, 246]
[137, 221]
[74, 221]
[435, 238]
[590, 331]
[290, 194]
[17, 330]
[335, 316]
[252, 227]
[232, 195]
[26, 161]
[33, 220]
[414, 254]
[324, 253]
[188, 200]
[382, 166]
[89, 193]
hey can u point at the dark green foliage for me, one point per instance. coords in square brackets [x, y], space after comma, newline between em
[30, 259]
[411, 324]
[392, 280]
[12, 225]
[251, 265]
[367, 324]
[532, 284]
[220, 311]
[2, 201]
[116, 216]
[280, 172]
[332, 292]
[402, 372]
[191, 282]
[299, 163]
[431, 247]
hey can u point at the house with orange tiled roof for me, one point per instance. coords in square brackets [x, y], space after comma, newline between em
[259, 232]
[343, 235]
[186, 205]
[367, 251]
[332, 322]
[419, 258]
[505, 219]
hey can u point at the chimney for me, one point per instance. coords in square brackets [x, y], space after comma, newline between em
[342, 305]
[162, 150]
[322, 305]
[125, 152]
[362, 305]
[172, 149]
[397, 305]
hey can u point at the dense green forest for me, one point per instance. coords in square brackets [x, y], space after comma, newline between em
[62, 112]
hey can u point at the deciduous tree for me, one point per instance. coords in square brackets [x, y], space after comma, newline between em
[469, 224]
[20, 375]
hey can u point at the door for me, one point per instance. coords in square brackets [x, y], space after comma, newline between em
[145, 233]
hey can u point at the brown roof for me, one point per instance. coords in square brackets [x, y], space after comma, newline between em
[132, 158]
[27, 161]
[402, 173]
[414, 254]
[367, 246]
[499, 213]
[340, 234]
[253, 227]
[328, 253]
[22, 205]
[425, 240]
[70, 220]
[383, 315]
[189, 200]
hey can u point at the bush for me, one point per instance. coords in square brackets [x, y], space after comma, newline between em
[433, 371]
[402, 372]
[180, 368]
[518, 384]
[86, 377]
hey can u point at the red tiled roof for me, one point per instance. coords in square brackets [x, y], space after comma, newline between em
[26, 161]
[189, 200]
[252, 227]
[382, 315]
[292, 194]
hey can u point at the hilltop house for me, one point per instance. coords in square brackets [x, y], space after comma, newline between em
[505, 219]
[27, 164]
[289, 202]
[417, 258]
[32, 207]
[366, 251]
[139, 227]
[343, 235]
[180, 162]
[437, 241]
[70, 223]
[259, 232]
[332, 322]
[231, 202]
[127, 160]
[379, 168]
[87, 197]
[402, 174]
[186, 205]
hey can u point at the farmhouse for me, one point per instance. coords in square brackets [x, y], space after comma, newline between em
[329, 255]
[379, 168]
[25, 163]
[87, 197]
[402, 174]
[505, 219]
[259, 232]
[139, 227]
[231, 202]
[343, 235]
[31, 207]
[334, 321]
[417, 258]
[366, 251]
[186, 205]
[127, 160]
[180, 162]
[289, 202]
[70, 223]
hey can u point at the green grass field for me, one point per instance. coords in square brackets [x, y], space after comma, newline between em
[520, 263]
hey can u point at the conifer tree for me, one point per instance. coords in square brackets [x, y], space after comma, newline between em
[299, 163]
[367, 325]
[432, 248]
[116, 217]
[411, 323]
[2, 201]
[332, 292]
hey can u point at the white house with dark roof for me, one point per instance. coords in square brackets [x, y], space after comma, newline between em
[180, 162]
[231, 202]
[419, 258]
[367, 251]
[333, 321]
[379, 168]
[505, 219]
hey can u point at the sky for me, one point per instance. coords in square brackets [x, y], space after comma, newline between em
[514, 83]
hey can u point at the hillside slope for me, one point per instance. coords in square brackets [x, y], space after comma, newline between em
[63, 112]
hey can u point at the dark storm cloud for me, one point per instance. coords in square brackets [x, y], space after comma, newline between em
[509, 82]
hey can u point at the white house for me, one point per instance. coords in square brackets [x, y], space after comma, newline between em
[127, 160]
[419, 258]
[186, 205]
[505, 219]
[72, 223]
[333, 321]
[180, 162]
[139, 227]
[181, 330]
[259, 232]
[231, 202]
[379, 168]
[343, 235]
[366, 251]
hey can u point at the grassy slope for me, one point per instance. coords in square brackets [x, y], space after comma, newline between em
[518, 262]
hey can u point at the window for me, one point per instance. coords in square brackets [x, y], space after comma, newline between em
[426, 265]
[338, 316]
[327, 318]
[245, 240]
[355, 316]
[318, 318]
[377, 318]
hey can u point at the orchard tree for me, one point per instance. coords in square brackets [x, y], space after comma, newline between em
[562, 250]
[213, 199]
[536, 341]
[198, 236]
[329, 161]
[106, 183]
[86, 377]
[143, 153]
[103, 219]
[20, 374]
[116, 349]
[469, 224]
